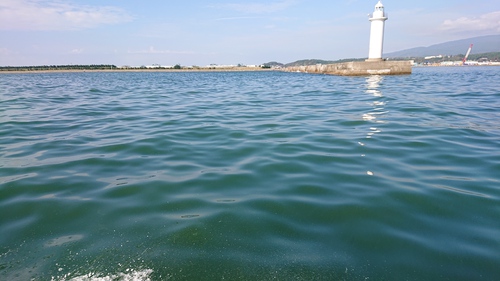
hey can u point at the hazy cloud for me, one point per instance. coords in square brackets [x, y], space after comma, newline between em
[152, 50]
[6, 52]
[487, 23]
[236, 18]
[258, 8]
[56, 15]
[76, 51]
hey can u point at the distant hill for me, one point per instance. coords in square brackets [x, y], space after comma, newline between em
[273, 64]
[308, 62]
[482, 44]
[298, 63]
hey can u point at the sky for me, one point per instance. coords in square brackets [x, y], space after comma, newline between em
[225, 32]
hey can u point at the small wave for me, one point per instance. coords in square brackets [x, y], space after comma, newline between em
[129, 275]
[462, 191]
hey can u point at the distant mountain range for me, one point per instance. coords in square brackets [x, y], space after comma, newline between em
[482, 44]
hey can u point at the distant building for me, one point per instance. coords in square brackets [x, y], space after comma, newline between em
[433, 57]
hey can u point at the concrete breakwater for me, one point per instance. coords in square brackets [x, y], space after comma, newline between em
[357, 68]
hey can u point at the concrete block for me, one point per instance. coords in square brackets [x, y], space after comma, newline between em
[357, 68]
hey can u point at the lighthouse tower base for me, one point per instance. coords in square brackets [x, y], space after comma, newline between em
[380, 59]
[357, 68]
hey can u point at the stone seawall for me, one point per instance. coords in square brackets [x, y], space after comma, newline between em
[357, 68]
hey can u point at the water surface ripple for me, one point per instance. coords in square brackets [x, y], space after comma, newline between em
[250, 175]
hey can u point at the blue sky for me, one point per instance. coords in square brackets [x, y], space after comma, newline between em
[195, 32]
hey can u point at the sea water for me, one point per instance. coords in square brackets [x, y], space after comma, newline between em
[250, 176]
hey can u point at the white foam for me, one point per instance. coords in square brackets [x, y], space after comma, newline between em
[63, 240]
[129, 275]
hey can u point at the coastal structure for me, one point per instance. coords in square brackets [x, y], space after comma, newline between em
[377, 20]
[374, 65]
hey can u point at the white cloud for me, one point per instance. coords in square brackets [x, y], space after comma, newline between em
[258, 8]
[236, 18]
[6, 52]
[152, 50]
[76, 51]
[56, 15]
[487, 23]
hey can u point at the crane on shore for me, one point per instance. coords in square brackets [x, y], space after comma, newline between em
[467, 54]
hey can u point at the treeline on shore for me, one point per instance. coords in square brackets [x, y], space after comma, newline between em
[58, 67]
[114, 67]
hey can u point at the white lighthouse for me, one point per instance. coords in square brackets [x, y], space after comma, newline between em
[377, 20]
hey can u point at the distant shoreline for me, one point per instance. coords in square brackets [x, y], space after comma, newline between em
[214, 69]
[171, 70]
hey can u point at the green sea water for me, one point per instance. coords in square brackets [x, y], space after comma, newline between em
[250, 176]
